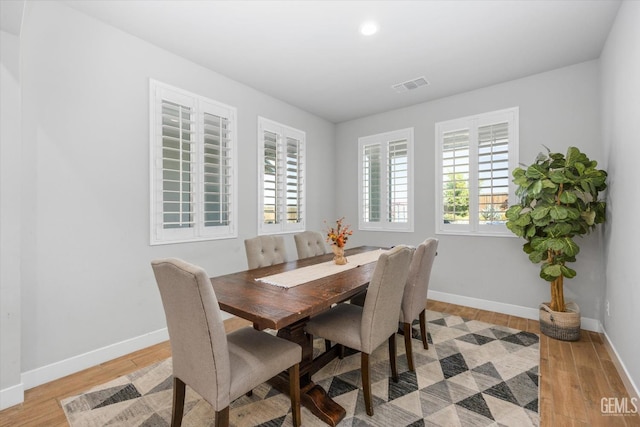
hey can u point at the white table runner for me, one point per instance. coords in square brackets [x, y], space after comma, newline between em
[296, 277]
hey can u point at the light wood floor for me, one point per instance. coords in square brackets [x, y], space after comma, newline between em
[575, 376]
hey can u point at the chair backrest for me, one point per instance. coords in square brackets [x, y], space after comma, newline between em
[263, 251]
[417, 286]
[384, 296]
[196, 329]
[309, 243]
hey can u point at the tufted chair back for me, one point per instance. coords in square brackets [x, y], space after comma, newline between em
[263, 251]
[309, 243]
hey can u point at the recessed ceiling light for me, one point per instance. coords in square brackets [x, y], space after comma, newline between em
[369, 28]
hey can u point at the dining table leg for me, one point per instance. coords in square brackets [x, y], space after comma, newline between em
[312, 396]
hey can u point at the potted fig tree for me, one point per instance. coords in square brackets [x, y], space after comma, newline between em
[558, 201]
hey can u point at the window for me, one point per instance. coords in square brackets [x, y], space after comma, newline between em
[475, 156]
[281, 157]
[385, 178]
[193, 172]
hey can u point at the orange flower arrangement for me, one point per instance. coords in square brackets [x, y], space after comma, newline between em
[339, 235]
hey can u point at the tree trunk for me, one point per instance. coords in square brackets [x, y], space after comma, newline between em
[557, 295]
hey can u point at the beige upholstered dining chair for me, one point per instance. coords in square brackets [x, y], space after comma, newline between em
[263, 251]
[414, 299]
[366, 328]
[309, 243]
[217, 366]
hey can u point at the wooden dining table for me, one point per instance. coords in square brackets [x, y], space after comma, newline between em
[288, 309]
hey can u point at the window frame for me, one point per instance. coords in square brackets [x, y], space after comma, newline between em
[282, 132]
[383, 140]
[473, 124]
[160, 93]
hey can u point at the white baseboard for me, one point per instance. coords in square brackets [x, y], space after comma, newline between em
[77, 363]
[11, 396]
[500, 307]
[620, 366]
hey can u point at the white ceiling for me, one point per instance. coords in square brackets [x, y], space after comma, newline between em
[310, 53]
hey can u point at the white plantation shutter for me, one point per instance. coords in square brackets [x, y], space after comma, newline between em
[282, 163]
[398, 184]
[271, 183]
[455, 177]
[475, 157]
[385, 181]
[293, 180]
[192, 167]
[370, 193]
[178, 129]
[493, 172]
[217, 172]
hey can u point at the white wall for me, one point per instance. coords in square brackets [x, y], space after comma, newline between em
[620, 63]
[86, 279]
[558, 109]
[10, 222]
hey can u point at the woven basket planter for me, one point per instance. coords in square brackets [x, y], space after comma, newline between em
[561, 325]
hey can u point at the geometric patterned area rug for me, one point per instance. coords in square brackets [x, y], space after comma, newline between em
[474, 374]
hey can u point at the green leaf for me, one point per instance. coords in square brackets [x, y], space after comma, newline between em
[546, 276]
[539, 243]
[535, 172]
[585, 186]
[558, 212]
[547, 183]
[555, 244]
[568, 197]
[558, 177]
[589, 217]
[580, 167]
[513, 212]
[570, 247]
[540, 212]
[572, 156]
[537, 256]
[552, 270]
[558, 229]
[568, 272]
[523, 220]
[530, 232]
[536, 188]
[515, 229]
[542, 222]
[573, 213]
[601, 209]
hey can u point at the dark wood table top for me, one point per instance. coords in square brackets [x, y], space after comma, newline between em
[269, 306]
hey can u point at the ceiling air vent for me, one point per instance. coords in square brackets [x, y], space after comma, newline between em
[410, 84]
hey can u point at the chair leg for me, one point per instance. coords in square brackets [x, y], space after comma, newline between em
[392, 357]
[222, 418]
[407, 344]
[294, 393]
[178, 402]
[366, 382]
[423, 330]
